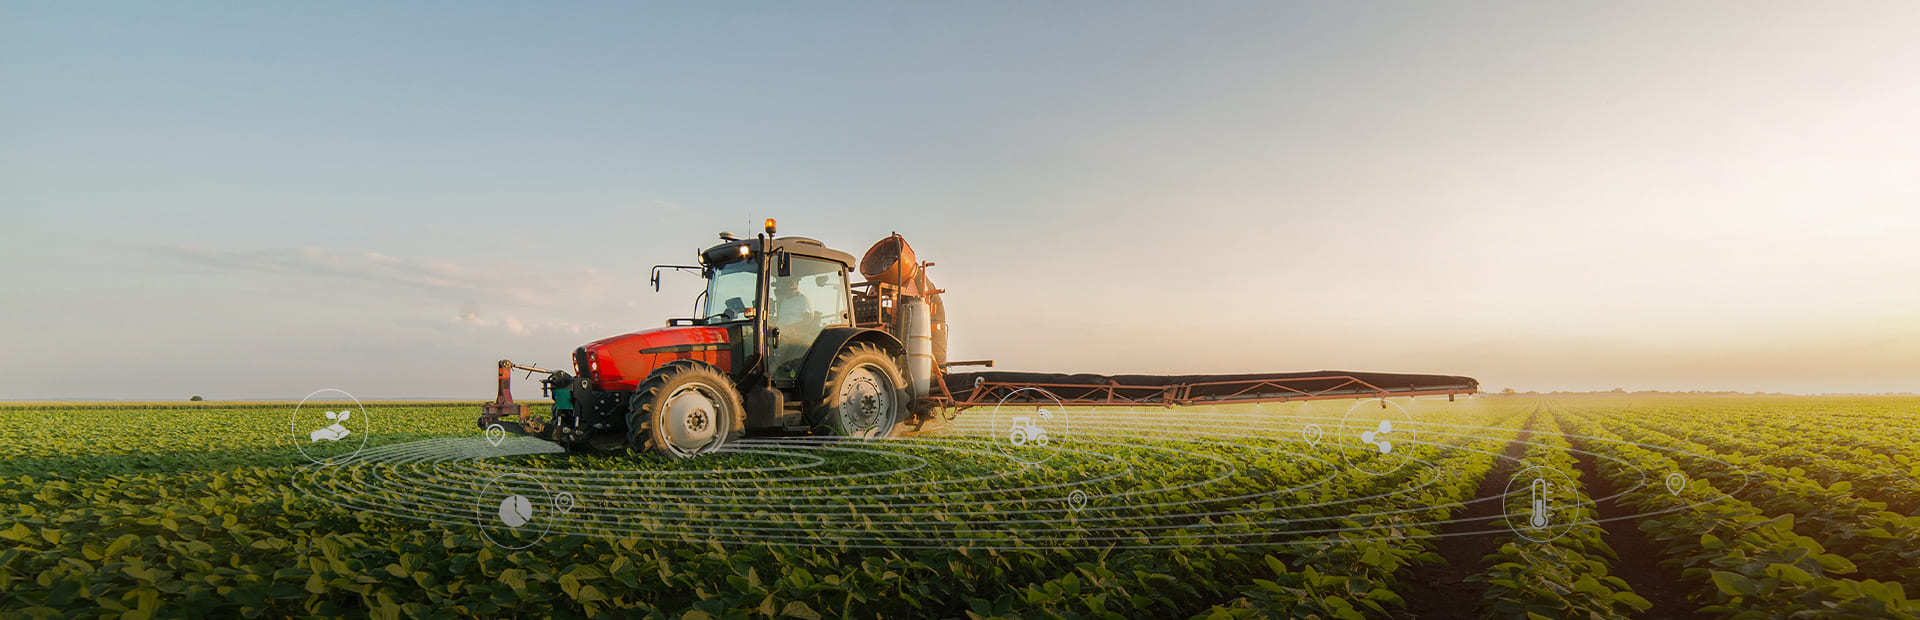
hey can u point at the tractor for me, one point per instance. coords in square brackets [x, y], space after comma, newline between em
[780, 341]
[783, 341]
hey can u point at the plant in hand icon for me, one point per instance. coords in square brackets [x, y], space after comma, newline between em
[334, 431]
[1373, 437]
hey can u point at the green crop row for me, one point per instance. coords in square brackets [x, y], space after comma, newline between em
[1824, 448]
[192, 510]
[162, 527]
[1876, 540]
[1385, 548]
[1739, 561]
[1563, 576]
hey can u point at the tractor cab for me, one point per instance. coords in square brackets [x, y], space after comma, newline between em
[783, 292]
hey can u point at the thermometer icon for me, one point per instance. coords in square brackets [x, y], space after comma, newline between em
[1540, 491]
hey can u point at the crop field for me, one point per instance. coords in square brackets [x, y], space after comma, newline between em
[1588, 506]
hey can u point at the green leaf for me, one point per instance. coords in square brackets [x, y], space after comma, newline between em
[1834, 564]
[1588, 585]
[118, 545]
[1789, 573]
[1734, 584]
[1635, 601]
[18, 533]
[798, 609]
[514, 578]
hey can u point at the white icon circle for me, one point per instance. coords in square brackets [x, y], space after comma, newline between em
[1026, 430]
[1542, 503]
[325, 433]
[515, 510]
[1015, 435]
[1378, 437]
[503, 511]
[1375, 439]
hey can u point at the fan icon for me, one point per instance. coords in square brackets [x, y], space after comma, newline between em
[1373, 437]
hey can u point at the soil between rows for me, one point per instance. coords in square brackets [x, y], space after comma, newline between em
[1638, 557]
[1442, 590]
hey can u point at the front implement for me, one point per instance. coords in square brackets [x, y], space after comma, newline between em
[516, 417]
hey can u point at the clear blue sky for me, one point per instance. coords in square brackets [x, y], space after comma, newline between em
[256, 201]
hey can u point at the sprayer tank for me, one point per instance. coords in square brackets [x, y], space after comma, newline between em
[917, 321]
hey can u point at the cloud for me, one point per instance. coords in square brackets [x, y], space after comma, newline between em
[513, 325]
[447, 280]
[508, 300]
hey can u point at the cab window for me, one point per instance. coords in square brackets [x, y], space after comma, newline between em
[810, 298]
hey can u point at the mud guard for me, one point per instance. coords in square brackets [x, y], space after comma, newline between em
[813, 372]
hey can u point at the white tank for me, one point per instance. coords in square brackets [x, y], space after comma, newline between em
[917, 319]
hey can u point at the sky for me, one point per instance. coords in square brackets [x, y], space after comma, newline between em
[258, 201]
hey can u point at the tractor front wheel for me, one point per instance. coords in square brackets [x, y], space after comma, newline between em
[683, 409]
[865, 395]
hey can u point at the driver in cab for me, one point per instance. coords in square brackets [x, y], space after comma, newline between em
[789, 306]
[794, 318]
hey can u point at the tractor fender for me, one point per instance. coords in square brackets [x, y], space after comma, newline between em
[833, 340]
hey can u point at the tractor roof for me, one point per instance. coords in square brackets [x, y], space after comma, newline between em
[730, 251]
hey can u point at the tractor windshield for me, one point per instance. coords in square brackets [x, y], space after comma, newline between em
[731, 291]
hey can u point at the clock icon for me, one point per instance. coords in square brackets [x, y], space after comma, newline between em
[504, 510]
[515, 510]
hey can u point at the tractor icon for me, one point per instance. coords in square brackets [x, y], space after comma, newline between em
[1024, 430]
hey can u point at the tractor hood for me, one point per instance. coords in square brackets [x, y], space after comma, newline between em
[623, 362]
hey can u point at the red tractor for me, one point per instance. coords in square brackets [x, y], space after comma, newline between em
[781, 340]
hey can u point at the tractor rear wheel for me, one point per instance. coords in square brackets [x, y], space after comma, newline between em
[865, 395]
[683, 409]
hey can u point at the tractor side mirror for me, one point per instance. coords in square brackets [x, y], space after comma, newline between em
[785, 263]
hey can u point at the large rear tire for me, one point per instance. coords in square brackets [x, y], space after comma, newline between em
[684, 409]
[866, 395]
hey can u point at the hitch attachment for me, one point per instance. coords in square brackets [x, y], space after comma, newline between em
[503, 405]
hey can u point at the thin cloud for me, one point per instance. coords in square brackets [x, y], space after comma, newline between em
[452, 281]
[513, 325]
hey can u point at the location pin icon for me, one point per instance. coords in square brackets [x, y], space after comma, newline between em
[1312, 434]
[1077, 500]
[1676, 482]
[496, 434]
